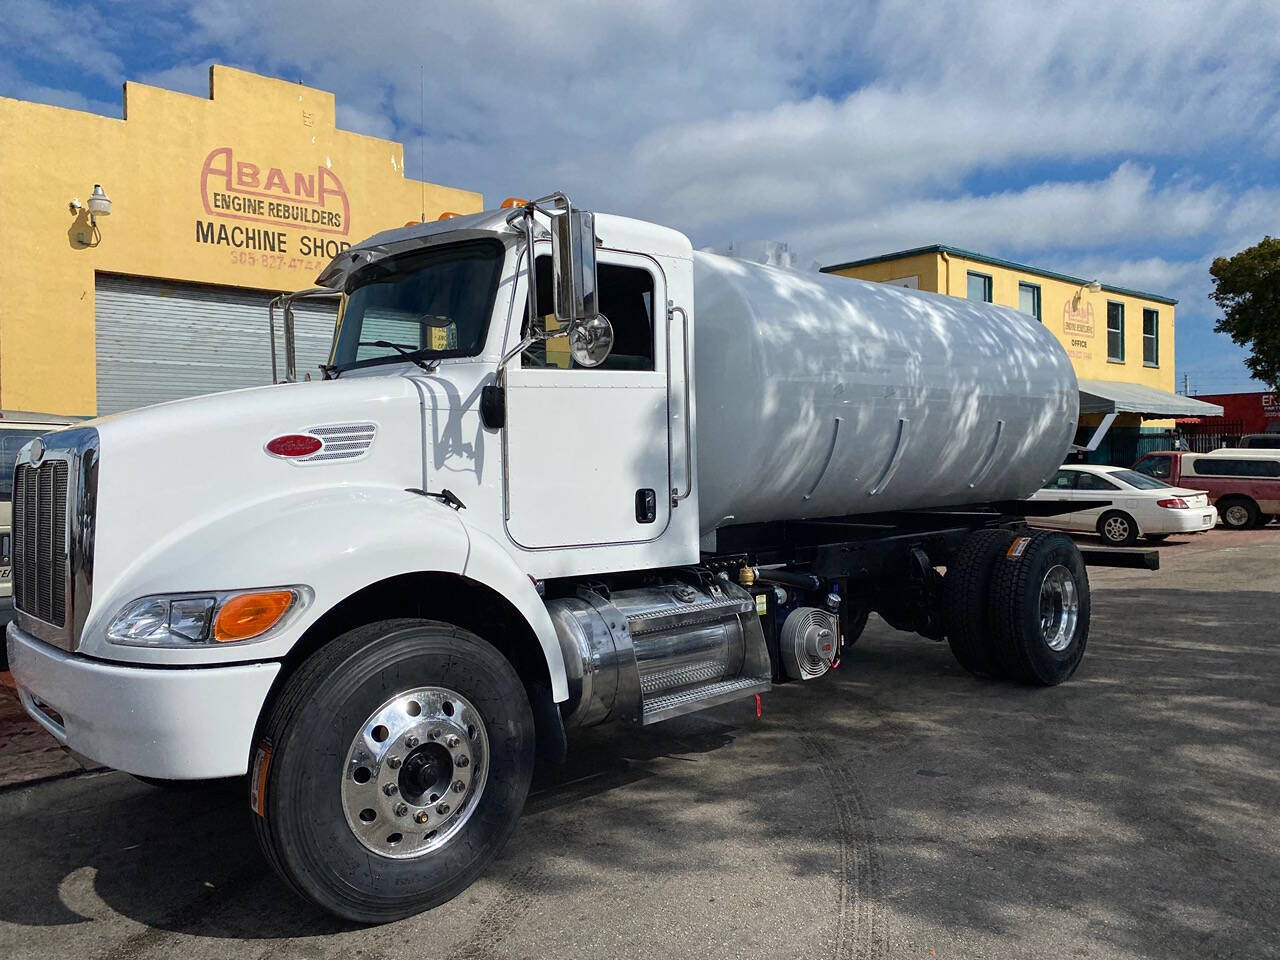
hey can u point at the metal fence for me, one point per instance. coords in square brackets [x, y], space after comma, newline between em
[1211, 433]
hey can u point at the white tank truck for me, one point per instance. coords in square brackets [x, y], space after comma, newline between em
[665, 481]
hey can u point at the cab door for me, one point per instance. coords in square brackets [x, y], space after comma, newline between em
[587, 459]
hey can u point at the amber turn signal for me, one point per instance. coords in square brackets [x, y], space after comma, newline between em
[251, 614]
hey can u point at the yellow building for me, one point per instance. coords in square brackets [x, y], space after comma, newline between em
[216, 205]
[1121, 341]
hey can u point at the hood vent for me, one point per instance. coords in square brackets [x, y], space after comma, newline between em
[342, 441]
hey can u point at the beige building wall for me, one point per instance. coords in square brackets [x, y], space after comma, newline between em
[254, 186]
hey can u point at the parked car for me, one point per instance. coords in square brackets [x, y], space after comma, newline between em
[1260, 441]
[1243, 484]
[1137, 505]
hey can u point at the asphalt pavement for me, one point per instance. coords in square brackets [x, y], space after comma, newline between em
[899, 808]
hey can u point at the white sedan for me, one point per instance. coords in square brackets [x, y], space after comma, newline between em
[1138, 505]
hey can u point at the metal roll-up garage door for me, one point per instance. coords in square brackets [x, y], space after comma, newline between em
[160, 341]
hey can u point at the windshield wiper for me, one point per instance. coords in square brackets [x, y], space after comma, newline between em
[404, 351]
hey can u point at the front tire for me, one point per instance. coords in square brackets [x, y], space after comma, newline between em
[1118, 529]
[397, 760]
[1040, 609]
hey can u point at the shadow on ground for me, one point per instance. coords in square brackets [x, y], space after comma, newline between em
[1131, 811]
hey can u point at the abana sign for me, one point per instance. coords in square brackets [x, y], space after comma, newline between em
[258, 199]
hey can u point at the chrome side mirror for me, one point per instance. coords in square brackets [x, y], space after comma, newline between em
[591, 340]
[573, 264]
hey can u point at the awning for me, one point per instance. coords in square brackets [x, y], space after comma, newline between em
[1108, 396]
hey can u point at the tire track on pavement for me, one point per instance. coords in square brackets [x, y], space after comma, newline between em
[862, 929]
[517, 894]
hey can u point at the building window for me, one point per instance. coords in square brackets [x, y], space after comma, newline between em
[979, 287]
[1115, 332]
[1029, 299]
[1151, 338]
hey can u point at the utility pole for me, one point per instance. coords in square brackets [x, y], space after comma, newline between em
[1186, 388]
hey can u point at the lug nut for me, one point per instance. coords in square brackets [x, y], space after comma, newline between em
[420, 816]
[459, 786]
[393, 762]
[451, 741]
[442, 809]
[434, 734]
[401, 809]
[461, 761]
[389, 789]
[411, 742]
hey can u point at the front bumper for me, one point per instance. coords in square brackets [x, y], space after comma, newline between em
[174, 724]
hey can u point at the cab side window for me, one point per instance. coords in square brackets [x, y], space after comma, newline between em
[626, 297]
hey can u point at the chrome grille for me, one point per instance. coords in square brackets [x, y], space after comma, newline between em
[41, 550]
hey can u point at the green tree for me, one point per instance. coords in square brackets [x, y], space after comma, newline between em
[1246, 289]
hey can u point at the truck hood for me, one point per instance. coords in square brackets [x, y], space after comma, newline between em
[169, 471]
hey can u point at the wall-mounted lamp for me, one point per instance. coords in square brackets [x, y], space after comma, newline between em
[99, 205]
[1093, 286]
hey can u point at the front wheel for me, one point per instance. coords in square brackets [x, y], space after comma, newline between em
[392, 769]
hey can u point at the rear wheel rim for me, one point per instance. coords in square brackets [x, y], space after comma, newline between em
[1116, 528]
[1236, 515]
[415, 772]
[1059, 608]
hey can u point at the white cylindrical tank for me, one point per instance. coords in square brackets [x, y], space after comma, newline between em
[819, 395]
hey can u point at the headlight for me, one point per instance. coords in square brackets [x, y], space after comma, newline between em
[216, 617]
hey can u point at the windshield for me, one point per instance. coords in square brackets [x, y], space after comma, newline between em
[431, 304]
[1139, 480]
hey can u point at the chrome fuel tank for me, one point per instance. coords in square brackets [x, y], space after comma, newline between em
[820, 395]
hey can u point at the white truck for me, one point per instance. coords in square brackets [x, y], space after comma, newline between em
[560, 470]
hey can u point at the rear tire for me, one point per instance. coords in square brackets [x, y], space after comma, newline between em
[1118, 529]
[348, 722]
[857, 617]
[1040, 609]
[1238, 513]
[966, 599]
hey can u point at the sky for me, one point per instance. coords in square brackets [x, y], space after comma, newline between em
[1132, 142]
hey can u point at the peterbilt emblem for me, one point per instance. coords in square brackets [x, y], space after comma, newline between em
[37, 450]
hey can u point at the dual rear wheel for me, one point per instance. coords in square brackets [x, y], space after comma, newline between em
[1016, 606]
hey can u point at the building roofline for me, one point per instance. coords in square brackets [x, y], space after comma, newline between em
[995, 262]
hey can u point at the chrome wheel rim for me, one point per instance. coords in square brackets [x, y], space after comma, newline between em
[1237, 515]
[1059, 608]
[1116, 528]
[415, 772]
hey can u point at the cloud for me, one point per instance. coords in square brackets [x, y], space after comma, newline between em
[1141, 138]
[64, 36]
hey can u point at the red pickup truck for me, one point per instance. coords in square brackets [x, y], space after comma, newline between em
[1243, 484]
